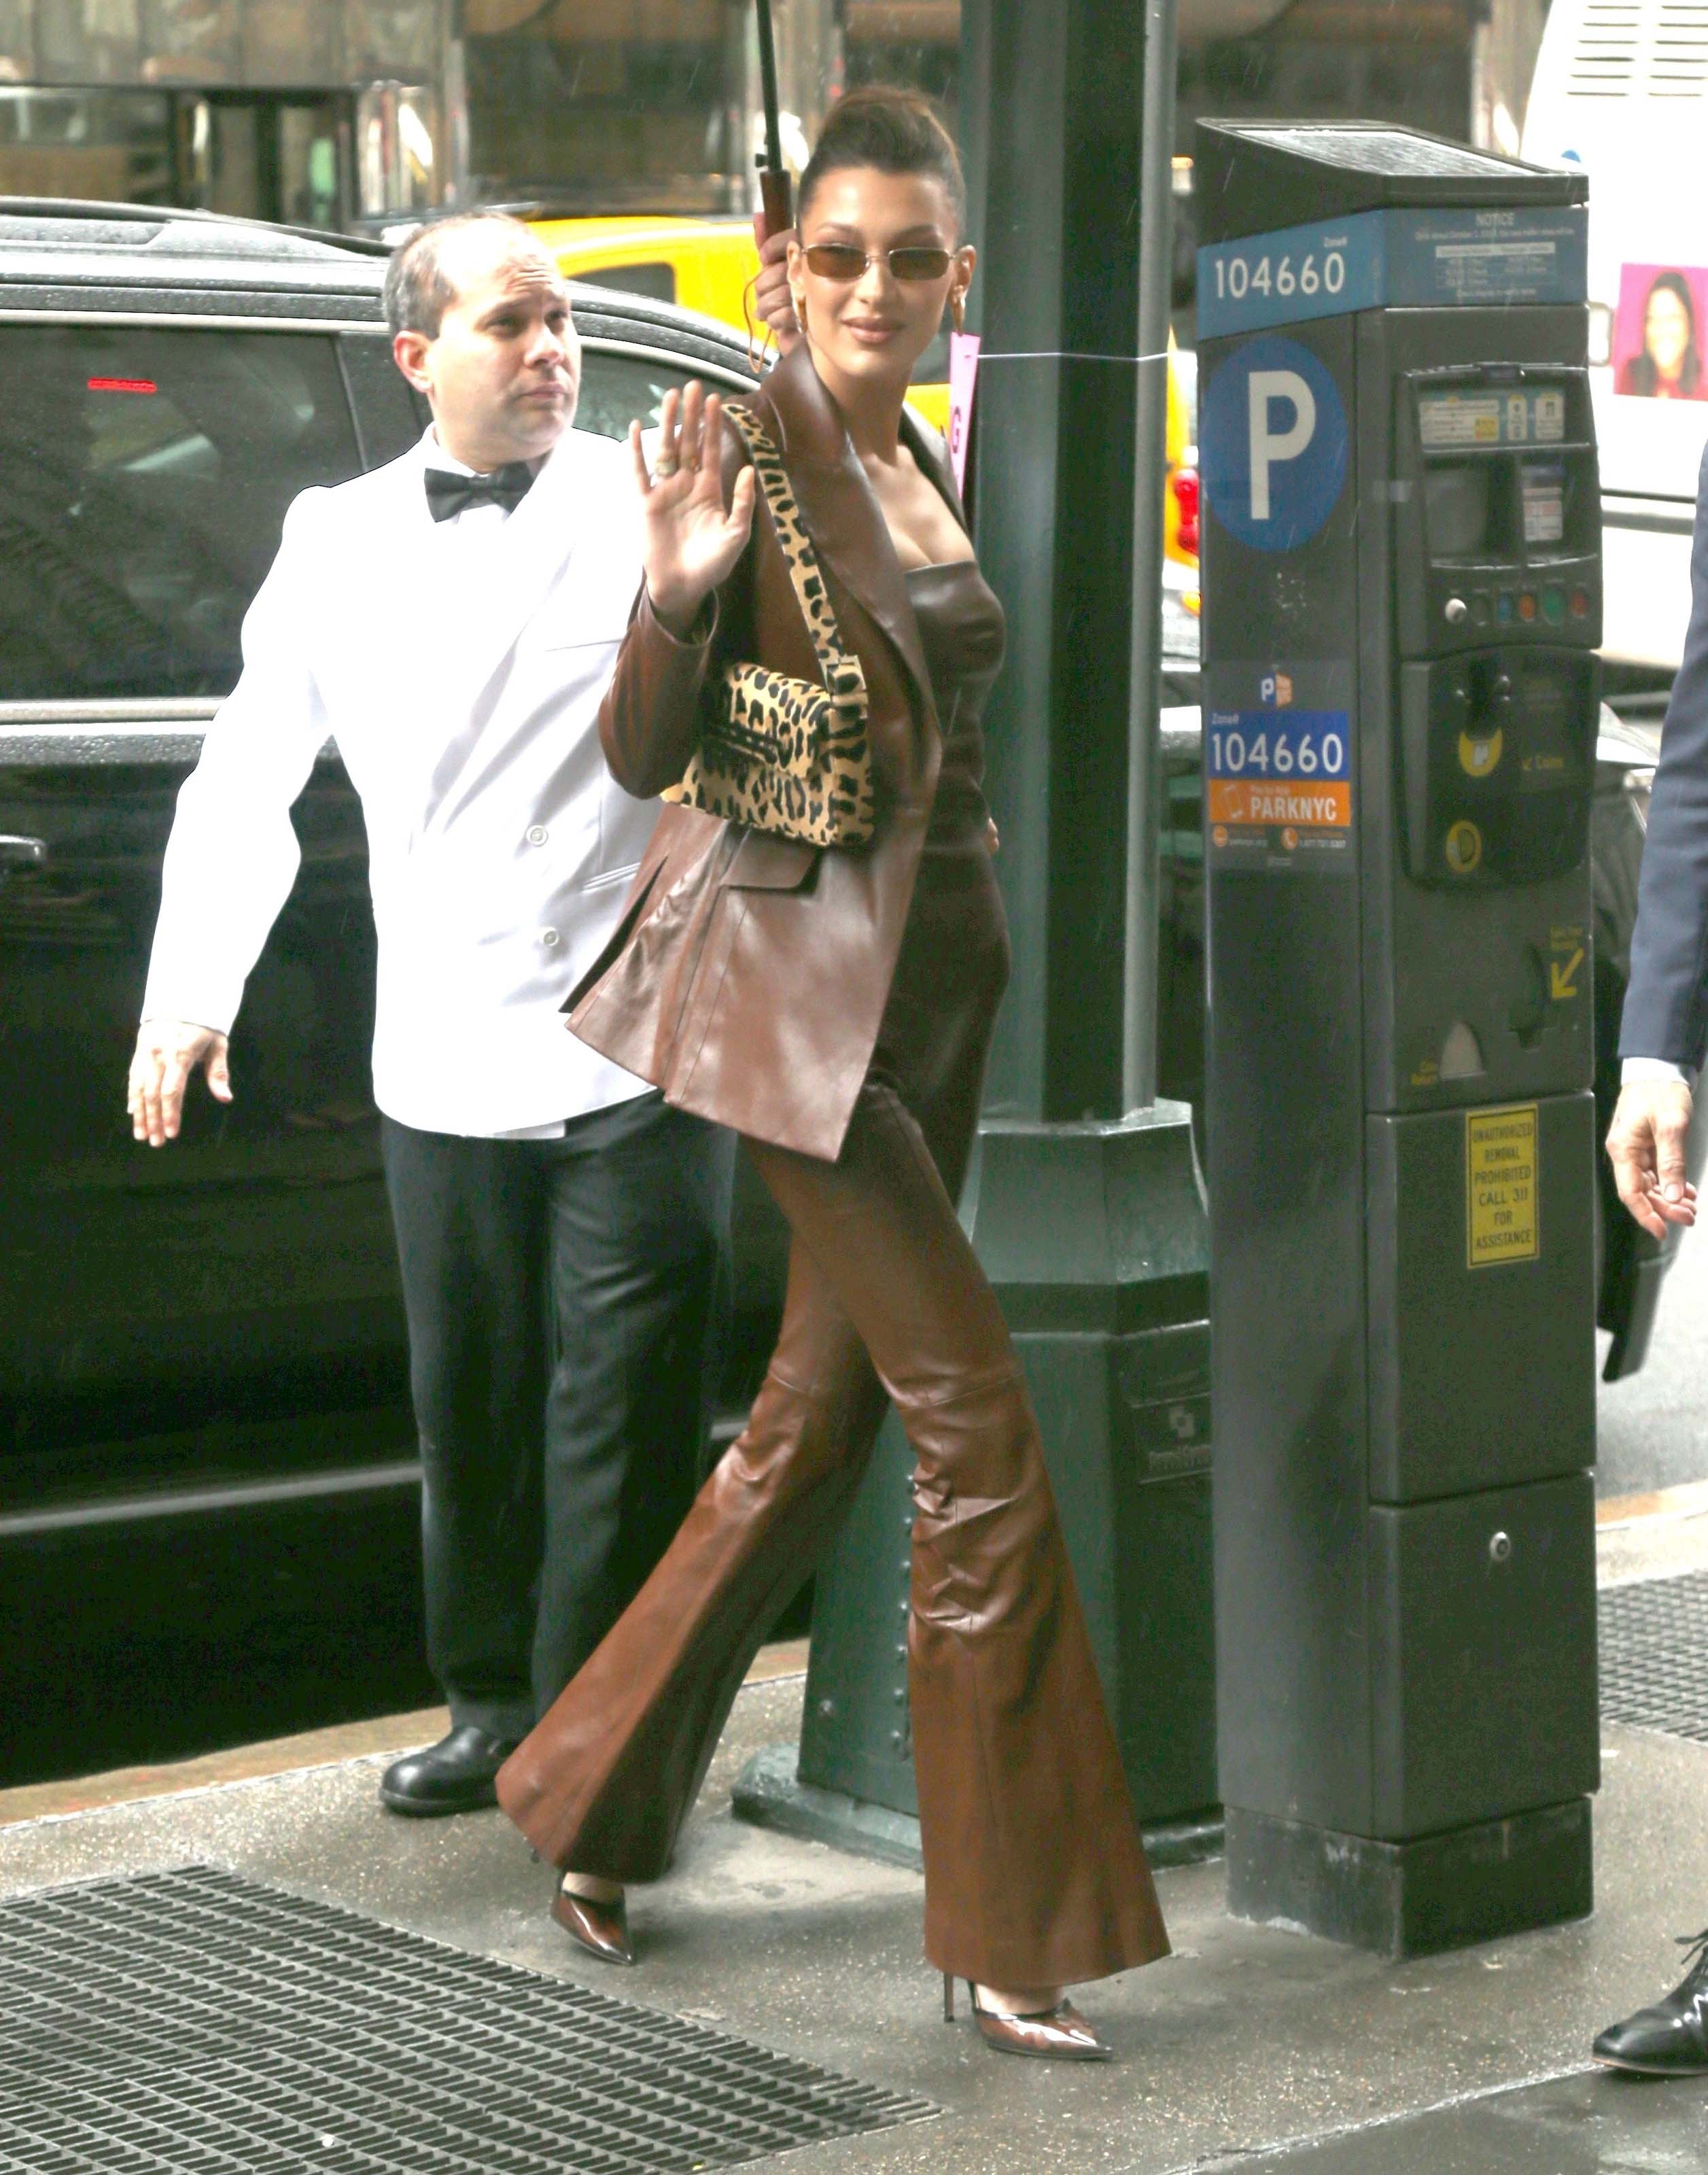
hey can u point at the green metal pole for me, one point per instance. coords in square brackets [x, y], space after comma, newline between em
[1144, 767]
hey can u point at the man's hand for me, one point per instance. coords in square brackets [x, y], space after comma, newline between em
[167, 1052]
[772, 303]
[690, 543]
[1646, 1146]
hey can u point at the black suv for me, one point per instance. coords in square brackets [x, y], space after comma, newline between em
[207, 1491]
[208, 1494]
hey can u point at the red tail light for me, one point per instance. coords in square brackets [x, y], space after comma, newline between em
[123, 385]
[1183, 483]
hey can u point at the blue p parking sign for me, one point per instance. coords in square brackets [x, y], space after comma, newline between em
[1273, 444]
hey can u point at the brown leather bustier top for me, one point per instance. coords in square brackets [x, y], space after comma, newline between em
[962, 632]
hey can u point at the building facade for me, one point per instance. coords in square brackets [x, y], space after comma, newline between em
[370, 113]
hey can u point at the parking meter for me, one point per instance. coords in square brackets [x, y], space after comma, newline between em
[1401, 604]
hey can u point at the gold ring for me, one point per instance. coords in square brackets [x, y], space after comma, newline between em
[666, 465]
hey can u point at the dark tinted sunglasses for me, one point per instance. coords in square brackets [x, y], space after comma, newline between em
[842, 262]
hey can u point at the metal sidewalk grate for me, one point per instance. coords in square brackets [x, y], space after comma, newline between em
[1654, 1655]
[195, 2023]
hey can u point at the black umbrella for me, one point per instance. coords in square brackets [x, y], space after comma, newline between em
[773, 175]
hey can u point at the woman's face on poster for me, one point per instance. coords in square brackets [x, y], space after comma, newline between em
[1666, 330]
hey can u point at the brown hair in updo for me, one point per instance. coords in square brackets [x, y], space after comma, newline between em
[894, 130]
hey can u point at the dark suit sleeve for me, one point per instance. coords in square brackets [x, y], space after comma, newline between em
[1665, 1015]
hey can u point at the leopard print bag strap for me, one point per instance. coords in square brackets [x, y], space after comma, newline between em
[799, 555]
[789, 757]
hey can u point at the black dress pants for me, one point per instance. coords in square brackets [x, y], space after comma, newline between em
[565, 1301]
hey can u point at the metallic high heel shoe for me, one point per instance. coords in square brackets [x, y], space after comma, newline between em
[1060, 2034]
[601, 1928]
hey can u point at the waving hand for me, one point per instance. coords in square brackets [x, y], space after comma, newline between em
[692, 542]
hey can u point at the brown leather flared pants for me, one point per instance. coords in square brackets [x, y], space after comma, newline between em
[1034, 1873]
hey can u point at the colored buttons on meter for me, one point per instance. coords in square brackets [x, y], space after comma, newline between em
[1479, 753]
[1503, 607]
[1464, 849]
[1526, 605]
[1553, 606]
[1579, 604]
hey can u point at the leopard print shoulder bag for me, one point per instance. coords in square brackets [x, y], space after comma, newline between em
[778, 754]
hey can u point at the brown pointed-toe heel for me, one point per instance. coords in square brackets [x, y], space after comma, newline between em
[602, 1929]
[1060, 2034]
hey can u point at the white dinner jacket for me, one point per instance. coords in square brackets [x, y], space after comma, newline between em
[462, 689]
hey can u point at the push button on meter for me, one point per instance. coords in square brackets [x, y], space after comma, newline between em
[1479, 753]
[1464, 849]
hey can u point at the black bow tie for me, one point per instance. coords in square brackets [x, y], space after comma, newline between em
[448, 493]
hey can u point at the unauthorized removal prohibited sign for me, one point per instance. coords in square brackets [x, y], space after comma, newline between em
[1501, 1181]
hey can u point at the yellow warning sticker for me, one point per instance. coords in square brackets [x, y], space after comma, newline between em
[1500, 1185]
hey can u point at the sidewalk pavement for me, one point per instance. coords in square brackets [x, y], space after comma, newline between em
[1250, 2048]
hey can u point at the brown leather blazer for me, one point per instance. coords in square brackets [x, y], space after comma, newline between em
[748, 975]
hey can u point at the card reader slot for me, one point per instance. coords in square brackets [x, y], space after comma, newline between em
[1496, 766]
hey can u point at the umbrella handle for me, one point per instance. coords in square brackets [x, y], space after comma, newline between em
[777, 197]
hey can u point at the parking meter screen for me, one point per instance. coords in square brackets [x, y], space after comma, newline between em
[1456, 508]
[1543, 487]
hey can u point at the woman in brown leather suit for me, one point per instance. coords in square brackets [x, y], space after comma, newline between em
[835, 1007]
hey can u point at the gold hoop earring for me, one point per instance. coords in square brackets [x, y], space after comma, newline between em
[800, 302]
[957, 310]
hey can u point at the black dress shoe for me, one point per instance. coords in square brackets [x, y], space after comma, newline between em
[454, 1776]
[1671, 2039]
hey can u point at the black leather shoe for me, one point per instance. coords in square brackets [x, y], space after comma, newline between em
[454, 1776]
[1671, 2039]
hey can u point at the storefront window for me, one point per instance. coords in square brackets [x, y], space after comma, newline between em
[89, 41]
[293, 41]
[397, 151]
[193, 41]
[397, 38]
[113, 145]
[611, 106]
[913, 42]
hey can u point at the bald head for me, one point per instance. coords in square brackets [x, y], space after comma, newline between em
[427, 272]
[481, 325]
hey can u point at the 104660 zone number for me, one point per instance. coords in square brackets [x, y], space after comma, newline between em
[1237, 277]
[1290, 748]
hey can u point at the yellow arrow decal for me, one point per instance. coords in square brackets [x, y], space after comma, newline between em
[1560, 982]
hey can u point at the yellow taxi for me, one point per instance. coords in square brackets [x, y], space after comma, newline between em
[708, 264]
[702, 265]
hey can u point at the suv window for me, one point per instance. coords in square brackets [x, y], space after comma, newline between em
[144, 475]
[616, 387]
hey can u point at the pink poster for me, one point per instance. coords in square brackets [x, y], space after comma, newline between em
[963, 376]
[1659, 346]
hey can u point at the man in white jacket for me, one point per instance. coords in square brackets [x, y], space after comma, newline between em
[451, 621]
